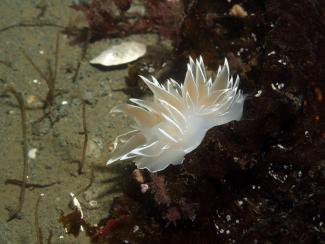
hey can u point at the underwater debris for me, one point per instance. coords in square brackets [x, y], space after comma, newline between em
[122, 53]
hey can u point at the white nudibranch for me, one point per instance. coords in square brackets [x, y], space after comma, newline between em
[177, 119]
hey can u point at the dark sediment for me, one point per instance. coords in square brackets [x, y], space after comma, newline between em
[260, 180]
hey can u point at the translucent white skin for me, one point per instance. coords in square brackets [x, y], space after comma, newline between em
[177, 119]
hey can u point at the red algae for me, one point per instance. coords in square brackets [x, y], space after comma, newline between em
[107, 18]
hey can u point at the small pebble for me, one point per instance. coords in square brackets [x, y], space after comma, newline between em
[228, 217]
[136, 228]
[32, 153]
[238, 11]
[34, 102]
[258, 94]
[93, 203]
[144, 188]
[138, 176]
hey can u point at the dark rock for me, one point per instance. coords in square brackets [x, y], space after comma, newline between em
[259, 180]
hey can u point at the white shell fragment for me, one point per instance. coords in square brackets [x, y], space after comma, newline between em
[123, 53]
[77, 204]
[32, 153]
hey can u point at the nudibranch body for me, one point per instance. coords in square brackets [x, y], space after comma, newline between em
[177, 119]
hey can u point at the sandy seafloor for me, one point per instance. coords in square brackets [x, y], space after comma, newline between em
[58, 147]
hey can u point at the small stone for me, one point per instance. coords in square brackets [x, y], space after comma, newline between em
[258, 94]
[238, 11]
[93, 203]
[136, 228]
[138, 176]
[144, 188]
[228, 217]
[34, 102]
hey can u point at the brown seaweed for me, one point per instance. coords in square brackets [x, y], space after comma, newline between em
[15, 213]
[163, 17]
[29, 185]
[39, 234]
[50, 79]
[85, 133]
